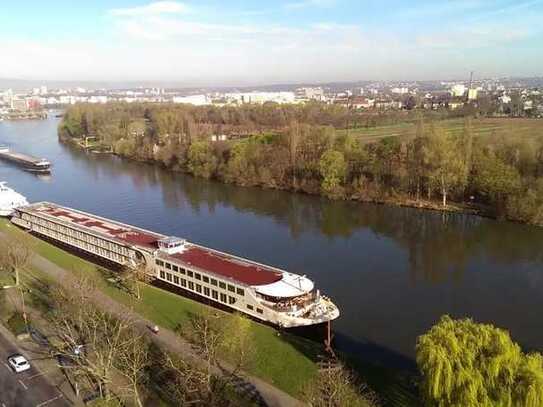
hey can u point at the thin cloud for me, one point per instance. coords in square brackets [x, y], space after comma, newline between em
[512, 8]
[183, 40]
[310, 3]
[156, 8]
[440, 9]
[165, 29]
[474, 37]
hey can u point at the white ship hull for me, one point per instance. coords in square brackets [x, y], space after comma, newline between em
[5, 213]
[10, 200]
[264, 292]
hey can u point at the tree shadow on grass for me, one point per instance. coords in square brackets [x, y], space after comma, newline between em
[39, 293]
[111, 278]
[392, 376]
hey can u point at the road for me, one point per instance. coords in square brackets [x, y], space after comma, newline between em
[27, 389]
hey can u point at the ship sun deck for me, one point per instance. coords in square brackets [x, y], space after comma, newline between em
[227, 266]
[113, 230]
[207, 260]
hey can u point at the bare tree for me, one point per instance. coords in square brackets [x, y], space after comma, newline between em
[133, 277]
[335, 386]
[184, 383]
[91, 340]
[16, 252]
[219, 337]
[132, 361]
[206, 338]
[293, 142]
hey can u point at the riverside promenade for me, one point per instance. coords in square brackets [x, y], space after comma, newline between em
[166, 339]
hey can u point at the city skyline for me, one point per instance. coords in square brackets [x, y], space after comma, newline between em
[239, 43]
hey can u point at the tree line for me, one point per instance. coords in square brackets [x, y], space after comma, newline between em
[309, 148]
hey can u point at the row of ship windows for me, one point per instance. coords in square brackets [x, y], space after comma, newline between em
[222, 297]
[176, 280]
[81, 235]
[204, 278]
[79, 243]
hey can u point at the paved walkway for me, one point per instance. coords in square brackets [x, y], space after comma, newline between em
[166, 339]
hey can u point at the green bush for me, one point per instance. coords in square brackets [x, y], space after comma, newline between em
[16, 324]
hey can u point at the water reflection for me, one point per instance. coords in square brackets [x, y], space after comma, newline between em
[439, 245]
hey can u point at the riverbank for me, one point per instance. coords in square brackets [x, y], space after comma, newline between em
[479, 164]
[397, 200]
[282, 360]
[170, 311]
[29, 115]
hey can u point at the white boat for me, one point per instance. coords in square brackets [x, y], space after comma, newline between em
[10, 200]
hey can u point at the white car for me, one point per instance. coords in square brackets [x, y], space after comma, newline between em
[18, 363]
[78, 350]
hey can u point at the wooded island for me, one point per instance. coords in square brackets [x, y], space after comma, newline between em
[490, 166]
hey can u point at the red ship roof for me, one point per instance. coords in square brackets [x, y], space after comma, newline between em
[116, 231]
[224, 265]
[207, 260]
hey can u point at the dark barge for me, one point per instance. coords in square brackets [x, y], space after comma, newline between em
[28, 162]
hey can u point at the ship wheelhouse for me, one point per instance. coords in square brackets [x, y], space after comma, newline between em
[289, 294]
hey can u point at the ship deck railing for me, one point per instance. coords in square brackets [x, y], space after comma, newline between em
[295, 306]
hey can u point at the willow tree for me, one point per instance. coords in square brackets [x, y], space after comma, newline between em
[466, 364]
[201, 160]
[496, 179]
[333, 169]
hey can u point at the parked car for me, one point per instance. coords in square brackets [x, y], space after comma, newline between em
[18, 363]
[78, 350]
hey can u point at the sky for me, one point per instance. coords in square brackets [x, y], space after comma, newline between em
[236, 42]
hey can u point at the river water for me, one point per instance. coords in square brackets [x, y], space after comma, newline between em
[392, 271]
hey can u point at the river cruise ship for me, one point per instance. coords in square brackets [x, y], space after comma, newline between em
[9, 200]
[28, 162]
[266, 293]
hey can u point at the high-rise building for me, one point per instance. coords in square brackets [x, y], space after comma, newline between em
[458, 89]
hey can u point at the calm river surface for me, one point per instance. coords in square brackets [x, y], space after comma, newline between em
[392, 271]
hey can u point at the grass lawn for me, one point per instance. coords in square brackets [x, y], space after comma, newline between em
[279, 359]
[482, 127]
[282, 359]
[16, 324]
[6, 278]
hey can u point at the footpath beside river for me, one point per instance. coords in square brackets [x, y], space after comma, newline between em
[166, 339]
